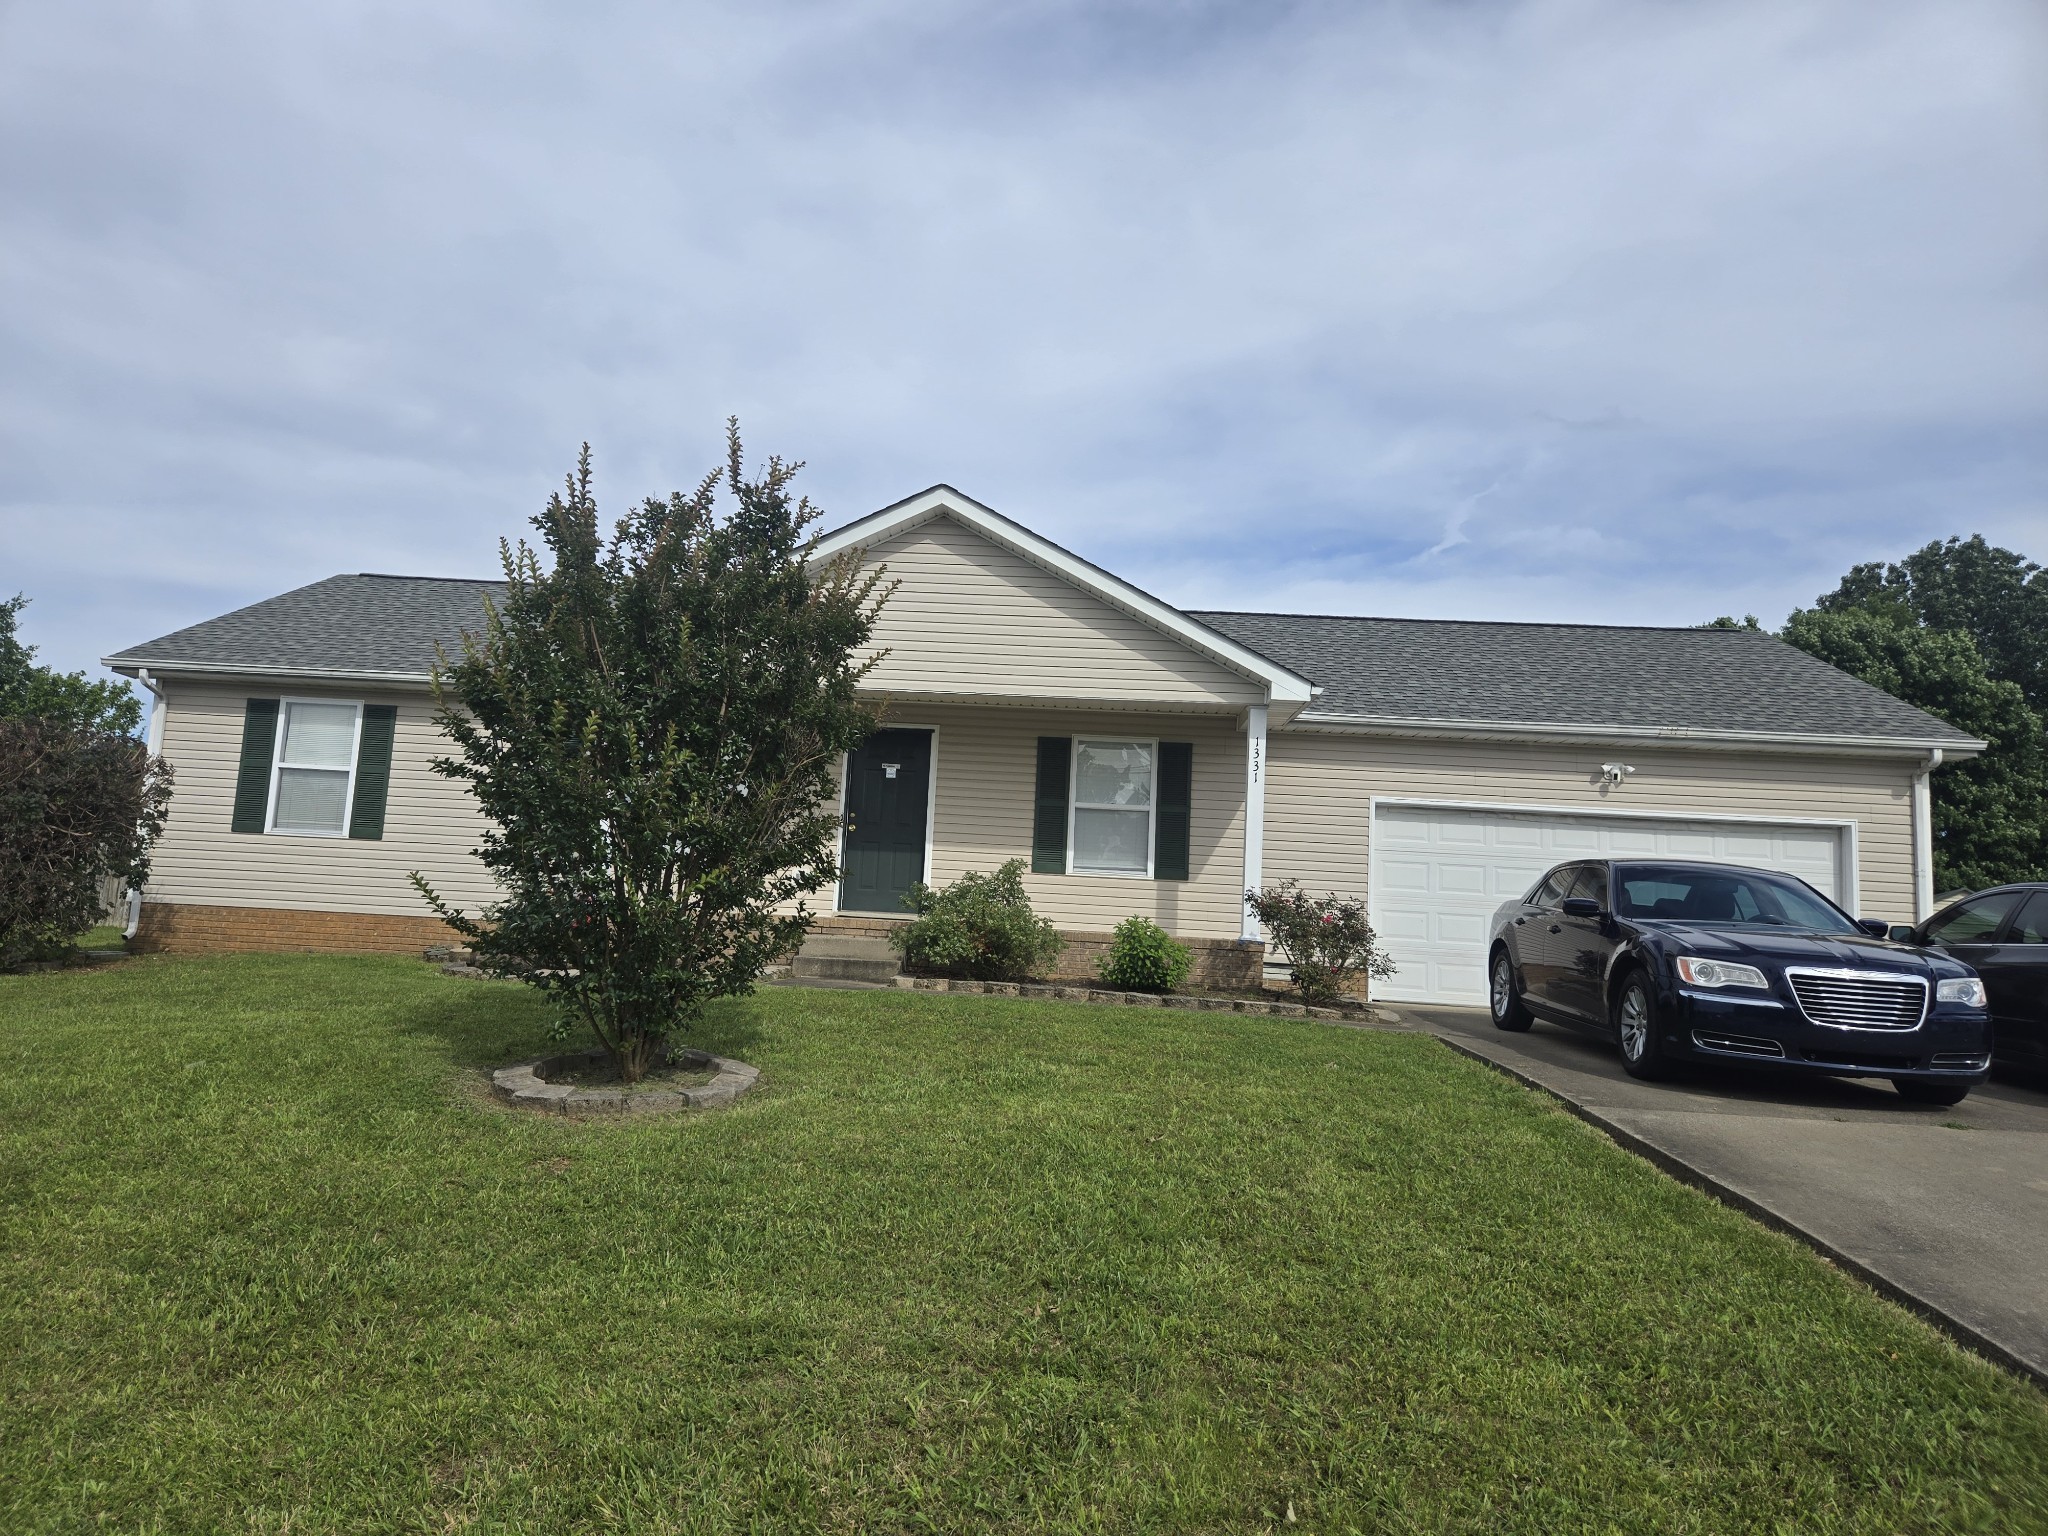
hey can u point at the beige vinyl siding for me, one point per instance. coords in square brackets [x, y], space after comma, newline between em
[1320, 788]
[984, 779]
[972, 619]
[430, 823]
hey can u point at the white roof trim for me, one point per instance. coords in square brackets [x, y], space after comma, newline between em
[1673, 735]
[1282, 686]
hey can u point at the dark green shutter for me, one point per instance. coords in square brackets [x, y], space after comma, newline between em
[1176, 802]
[1049, 815]
[373, 771]
[252, 782]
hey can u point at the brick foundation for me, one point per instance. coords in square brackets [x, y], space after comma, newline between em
[1230, 964]
[172, 928]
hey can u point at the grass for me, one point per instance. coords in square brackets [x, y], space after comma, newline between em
[271, 1261]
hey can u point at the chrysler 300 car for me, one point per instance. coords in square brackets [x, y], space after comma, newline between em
[1709, 962]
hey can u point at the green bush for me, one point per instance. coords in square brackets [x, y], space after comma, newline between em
[980, 927]
[1144, 957]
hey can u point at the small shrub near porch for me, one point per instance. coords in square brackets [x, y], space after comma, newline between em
[1144, 957]
[979, 928]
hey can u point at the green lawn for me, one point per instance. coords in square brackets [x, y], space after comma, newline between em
[270, 1261]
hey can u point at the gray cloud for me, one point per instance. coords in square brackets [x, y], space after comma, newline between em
[1567, 308]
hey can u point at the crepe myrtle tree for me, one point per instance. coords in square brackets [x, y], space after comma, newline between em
[651, 726]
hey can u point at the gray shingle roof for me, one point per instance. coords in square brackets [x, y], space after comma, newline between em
[1693, 681]
[369, 626]
[1689, 681]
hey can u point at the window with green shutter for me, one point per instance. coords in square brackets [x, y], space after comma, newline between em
[314, 768]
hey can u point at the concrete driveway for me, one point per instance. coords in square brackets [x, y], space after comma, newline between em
[1945, 1209]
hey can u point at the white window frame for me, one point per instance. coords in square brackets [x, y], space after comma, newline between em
[1151, 806]
[277, 764]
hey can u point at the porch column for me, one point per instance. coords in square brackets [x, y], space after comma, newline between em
[1254, 808]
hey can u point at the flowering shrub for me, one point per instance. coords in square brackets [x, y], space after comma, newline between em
[1144, 957]
[1325, 938]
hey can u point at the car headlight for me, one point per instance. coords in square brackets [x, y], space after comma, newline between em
[1967, 990]
[1718, 973]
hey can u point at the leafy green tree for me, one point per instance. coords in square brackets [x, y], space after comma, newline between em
[1996, 597]
[651, 726]
[1747, 621]
[80, 798]
[30, 691]
[1991, 812]
[77, 804]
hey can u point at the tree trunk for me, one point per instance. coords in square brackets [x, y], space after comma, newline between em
[637, 1055]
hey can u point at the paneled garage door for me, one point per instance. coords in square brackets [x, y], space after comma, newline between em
[1438, 874]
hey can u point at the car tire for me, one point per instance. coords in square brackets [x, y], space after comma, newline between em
[1914, 1091]
[1636, 1027]
[1504, 998]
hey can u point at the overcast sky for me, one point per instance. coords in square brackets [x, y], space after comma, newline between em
[1569, 309]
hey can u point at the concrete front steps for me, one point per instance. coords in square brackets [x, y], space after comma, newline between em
[846, 957]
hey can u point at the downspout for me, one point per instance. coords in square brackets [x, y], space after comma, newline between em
[1923, 839]
[153, 743]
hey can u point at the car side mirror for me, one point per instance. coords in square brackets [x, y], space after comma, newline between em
[1900, 933]
[1876, 927]
[1581, 906]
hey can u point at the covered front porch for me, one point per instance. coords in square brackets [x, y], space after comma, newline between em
[1116, 812]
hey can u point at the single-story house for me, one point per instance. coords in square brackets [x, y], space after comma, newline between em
[1144, 759]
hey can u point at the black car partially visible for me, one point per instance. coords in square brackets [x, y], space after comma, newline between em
[2002, 934]
[1679, 961]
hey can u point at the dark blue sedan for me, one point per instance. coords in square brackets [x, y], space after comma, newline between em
[1684, 962]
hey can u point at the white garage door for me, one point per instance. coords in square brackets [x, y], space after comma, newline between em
[1438, 874]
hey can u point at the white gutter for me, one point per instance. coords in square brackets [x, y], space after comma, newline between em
[1518, 730]
[227, 669]
[153, 743]
[1923, 839]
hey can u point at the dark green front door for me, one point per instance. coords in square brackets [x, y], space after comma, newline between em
[888, 795]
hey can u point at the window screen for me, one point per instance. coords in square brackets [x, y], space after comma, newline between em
[316, 751]
[1113, 807]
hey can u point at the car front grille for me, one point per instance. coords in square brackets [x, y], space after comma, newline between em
[1860, 999]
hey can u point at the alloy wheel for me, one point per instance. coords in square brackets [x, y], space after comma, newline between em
[1503, 985]
[1635, 1023]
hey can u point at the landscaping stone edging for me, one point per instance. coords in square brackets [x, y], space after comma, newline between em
[1068, 993]
[525, 1084]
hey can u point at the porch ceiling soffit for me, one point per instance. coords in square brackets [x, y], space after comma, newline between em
[1288, 692]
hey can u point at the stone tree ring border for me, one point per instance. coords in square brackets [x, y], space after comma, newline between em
[526, 1084]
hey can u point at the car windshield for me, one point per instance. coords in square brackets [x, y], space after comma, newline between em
[1679, 893]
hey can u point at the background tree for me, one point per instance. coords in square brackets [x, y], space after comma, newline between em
[29, 691]
[1989, 811]
[80, 799]
[1996, 597]
[1959, 628]
[651, 726]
